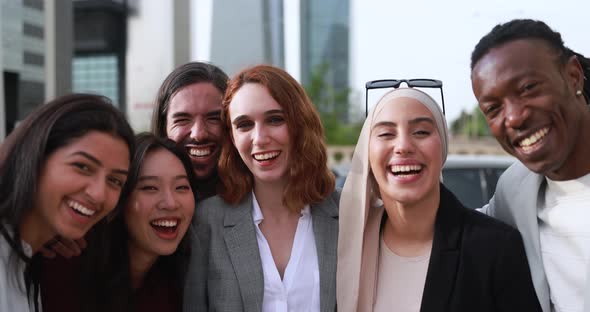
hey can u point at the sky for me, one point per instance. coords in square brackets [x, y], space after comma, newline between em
[435, 38]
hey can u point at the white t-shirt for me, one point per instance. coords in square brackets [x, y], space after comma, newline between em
[400, 281]
[564, 226]
[299, 290]
[13, 296]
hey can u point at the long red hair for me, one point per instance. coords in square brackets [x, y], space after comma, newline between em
[310, 180]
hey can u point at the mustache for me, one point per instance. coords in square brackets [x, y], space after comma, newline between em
[197, 143]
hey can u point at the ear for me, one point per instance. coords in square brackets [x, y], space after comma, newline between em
[574, 73]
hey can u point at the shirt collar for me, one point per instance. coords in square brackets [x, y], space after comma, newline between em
[257, 213]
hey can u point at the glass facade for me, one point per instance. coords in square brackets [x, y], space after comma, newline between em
[325, 37]
[97, 74]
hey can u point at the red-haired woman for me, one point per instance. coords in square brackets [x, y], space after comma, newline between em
[274, 226]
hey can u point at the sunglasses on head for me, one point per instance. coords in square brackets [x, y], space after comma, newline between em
[395, 83]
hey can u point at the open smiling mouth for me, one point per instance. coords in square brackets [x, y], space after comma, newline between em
[81, 209]
[403, 171]
[533, 140]
[200, 151]
[165, 226]
[261, 157]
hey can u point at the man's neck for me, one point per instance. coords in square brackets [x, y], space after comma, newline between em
[207, 187]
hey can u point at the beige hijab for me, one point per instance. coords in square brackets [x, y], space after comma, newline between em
[361, 212]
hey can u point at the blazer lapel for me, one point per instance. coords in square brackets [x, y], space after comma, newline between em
[526, 205]
[242, 246]
[325, 229]
[444, 257]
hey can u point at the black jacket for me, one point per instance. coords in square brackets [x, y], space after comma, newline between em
[477, 263]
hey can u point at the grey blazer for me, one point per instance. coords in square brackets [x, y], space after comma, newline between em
[516, 202]
[234, 279]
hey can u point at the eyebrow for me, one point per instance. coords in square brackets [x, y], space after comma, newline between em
[178, 177]
[267, 113]
[411, 122]
[98, 162]
[214, 113]
[180, 114]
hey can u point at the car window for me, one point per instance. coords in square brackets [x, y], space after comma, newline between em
[466, 184]
[492, 175]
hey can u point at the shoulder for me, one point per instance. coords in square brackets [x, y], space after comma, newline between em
[513, 176]
[335, 196]
[328, 206]
[486, 226]
[211, 208]
[478, 228]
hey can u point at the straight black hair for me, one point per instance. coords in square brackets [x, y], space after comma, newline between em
[105, 280]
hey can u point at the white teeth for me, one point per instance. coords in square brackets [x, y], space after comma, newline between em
[405, 168]
[266, 156]
[81, 209]
[534, 138]
[199, 152]
[165, 223]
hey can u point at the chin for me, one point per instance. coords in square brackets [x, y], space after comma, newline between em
[167, 251]
[71, 233]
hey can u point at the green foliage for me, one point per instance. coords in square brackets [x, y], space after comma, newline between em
[471, 124]
[333, 107]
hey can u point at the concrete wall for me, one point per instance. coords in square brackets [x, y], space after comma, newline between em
[237, 38]
[59, 37]
[150, 57]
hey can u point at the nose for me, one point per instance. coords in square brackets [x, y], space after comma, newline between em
[260, 136]
[199, 131]
[516, 113]
[167, 201]
[404, 144]
[97, 191]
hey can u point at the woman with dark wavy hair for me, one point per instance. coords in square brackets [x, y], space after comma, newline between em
[137, 261]
[61, 172]
[274, 227]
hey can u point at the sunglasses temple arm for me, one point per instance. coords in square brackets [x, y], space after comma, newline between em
[442, 97]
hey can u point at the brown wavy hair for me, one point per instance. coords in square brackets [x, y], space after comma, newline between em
[310, 180]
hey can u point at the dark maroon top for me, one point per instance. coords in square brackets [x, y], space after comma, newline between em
[59, 291]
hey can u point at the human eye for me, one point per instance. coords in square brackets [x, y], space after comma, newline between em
[385, 134]
[116, 182]
[529, 86]
[147, 188]
[244, 125]
[490, 109]
[180, 121]
[183, 187]
[82, 167]
[276, 120]
[422, 132]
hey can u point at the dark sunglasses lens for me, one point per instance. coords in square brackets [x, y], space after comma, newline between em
[425, 83]
[378, 84]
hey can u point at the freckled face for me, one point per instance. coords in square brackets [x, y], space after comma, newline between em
[405, 151]
[260, 133]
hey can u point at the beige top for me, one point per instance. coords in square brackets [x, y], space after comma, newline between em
[400, 281]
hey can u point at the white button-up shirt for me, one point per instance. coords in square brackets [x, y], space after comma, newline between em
[299, 290]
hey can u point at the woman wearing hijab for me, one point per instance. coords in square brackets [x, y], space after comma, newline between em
[406, 243]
